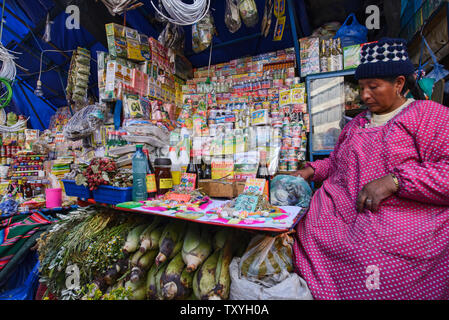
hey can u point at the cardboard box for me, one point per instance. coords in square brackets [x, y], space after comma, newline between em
[222, 189]
[117, 47]
[115, 30]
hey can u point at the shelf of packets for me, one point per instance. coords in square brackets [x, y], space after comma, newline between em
[231, 139]
[319, 55]
[141, 65]
[251, 104]
[117, 76]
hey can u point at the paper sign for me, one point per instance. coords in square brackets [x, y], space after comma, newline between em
[188, 181]
[285, 97]
[279, 29]
[279, 8]
[255, 186]
[181, 198]
[222, 168]
[259, 117]
[298, 95]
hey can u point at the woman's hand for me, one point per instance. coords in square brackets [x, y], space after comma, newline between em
[306, 173]
[375, 192]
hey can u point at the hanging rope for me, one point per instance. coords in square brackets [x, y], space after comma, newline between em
[184, 14]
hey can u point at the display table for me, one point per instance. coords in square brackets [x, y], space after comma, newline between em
[283, 222]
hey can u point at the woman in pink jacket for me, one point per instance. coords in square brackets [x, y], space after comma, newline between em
[378, 228]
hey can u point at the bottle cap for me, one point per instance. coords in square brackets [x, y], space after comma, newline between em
[162, 162]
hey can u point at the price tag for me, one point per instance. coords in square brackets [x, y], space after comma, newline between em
[188, 181]
[181, 198]
[255, 186]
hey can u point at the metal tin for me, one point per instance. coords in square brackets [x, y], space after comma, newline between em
[292, 165]
[283, 165]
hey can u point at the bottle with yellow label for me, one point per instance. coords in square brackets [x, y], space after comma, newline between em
[164, 179]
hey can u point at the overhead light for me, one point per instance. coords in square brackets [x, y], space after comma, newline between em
[38, 91]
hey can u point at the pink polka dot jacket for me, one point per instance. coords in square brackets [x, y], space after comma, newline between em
[402, 250]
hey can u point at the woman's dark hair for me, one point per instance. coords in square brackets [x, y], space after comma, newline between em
[412, 85]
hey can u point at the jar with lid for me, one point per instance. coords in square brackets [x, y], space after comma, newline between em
[164, 180]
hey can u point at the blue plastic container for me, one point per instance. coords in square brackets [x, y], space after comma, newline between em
[112, 195]
[73, 190]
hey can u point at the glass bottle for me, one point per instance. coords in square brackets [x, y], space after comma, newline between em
[193, 168]
[263, 173]
[207, 173]
[323, 57]
[150, 178]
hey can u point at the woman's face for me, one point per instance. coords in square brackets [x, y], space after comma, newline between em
[381, 96]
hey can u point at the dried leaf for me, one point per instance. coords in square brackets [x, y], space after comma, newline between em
[80, 180]
[95, 169]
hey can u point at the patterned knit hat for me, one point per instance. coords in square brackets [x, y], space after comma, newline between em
[383, 59]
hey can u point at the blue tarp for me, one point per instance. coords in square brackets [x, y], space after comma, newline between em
[23, 16]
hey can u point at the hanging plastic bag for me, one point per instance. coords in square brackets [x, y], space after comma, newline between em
[267, 260]
[438, 72]
[84, 122]
[248, 12]
[202, 33]
[289, 190]
[173, 37]
[351, 34]
[232, 16]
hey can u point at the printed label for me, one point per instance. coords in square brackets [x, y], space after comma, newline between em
[165, 183]
[151, 183]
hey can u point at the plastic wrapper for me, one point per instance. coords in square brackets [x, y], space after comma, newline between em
[173, 37]
[267, 260]
[248, 13]
[351, 34]
[41, 146]
[289, 190]
[84, 122]
[327, 31]
[150, 140]
[146, 132]
[293, 287]
[202, 33]
[146, 128]
[79, 73]
[232, 16]
[8, 207]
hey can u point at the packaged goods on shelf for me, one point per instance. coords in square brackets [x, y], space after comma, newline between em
[79, 73]
[351, 56]
[310, 55]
